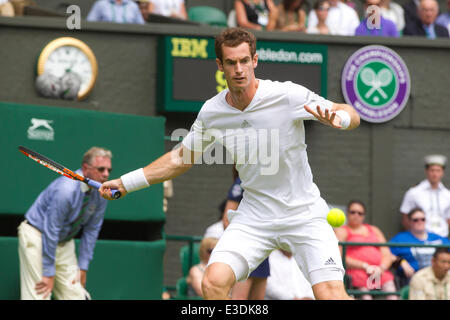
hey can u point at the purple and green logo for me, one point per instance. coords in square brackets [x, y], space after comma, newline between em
[376, 82]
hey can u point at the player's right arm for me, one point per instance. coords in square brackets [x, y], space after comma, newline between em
[170, 165]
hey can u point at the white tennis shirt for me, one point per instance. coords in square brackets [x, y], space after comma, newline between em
[267, 142]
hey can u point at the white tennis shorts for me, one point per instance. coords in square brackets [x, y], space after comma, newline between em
[307, 235]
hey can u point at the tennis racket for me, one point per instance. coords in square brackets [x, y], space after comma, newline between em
[58, 168]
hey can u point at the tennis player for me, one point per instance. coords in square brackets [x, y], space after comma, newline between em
[281, 208]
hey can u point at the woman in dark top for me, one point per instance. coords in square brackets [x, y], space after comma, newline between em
[256, 14]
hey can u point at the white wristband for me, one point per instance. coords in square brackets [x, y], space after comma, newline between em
[345, 118]
[134, 180]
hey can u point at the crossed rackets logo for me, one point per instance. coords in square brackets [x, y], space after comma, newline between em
[375, 84]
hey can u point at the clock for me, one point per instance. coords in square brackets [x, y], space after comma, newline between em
[65, 55]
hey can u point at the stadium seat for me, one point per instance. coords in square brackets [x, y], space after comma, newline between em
[208, 15]
[182, 290]
[184, 257]
[404, 293]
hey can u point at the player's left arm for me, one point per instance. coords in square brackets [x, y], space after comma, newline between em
[339, 116]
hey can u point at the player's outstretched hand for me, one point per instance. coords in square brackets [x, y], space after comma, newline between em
[328, 118]
[105, 189]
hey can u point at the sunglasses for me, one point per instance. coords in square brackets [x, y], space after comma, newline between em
[101, 169]
[356, 212]
[323, 9]
[418, 219]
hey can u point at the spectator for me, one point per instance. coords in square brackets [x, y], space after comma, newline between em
[291, 16]
[342, 20]
[350, 3]
[411, 259]
[431, 196]
[144, 7]
[286, 281]
[169, 8]
[410, 12]
[6, 9]
[118, 11]
[216, 229]
[393, 11]
[428, 11]
[194, 278]
[48, 261]
[366, 265]
[256, 14]
[444, 18]
[432, 283]
[254, 287]
[369, 27]
[321, 8]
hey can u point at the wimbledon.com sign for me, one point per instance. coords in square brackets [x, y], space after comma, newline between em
[281, 55]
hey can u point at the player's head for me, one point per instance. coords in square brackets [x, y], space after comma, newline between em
[96, 164]
[236, 56]
[434, 168]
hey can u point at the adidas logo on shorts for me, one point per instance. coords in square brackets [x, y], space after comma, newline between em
[330, 262]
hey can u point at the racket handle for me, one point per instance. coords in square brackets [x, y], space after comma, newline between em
[95, 184]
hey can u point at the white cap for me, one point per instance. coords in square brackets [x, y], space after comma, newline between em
[436, 159]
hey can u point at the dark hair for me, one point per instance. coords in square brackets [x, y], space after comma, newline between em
[357, 202]
[288, 3]
[233, 37]
[319, 3]
[439, 251]
[410, 213]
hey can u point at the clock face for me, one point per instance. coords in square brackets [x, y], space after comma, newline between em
[65, 55]
[70, 59]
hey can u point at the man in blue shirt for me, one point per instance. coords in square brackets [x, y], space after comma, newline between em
[414, 258]
[428, 11]
[118, 11]
[46, 247]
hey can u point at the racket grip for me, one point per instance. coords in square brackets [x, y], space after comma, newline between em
[95, 184]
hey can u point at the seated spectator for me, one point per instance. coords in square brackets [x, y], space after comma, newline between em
[393, 11]
[286, 281]
[6, 9]
[411, 259]
[291, 16]
[321, 7]
[369, 27]
[368, 266]
[118, 11]
[169, 8]
[342, 20]
[195, 276]
[432, 283]
[256, 14]
[144, 7]
[426, 26]
[444, 18]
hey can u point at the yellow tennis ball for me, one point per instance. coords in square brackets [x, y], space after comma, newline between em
[336, 217]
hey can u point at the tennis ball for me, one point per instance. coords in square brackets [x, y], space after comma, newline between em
[336, 217]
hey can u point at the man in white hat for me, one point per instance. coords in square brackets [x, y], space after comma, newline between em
[431, 196]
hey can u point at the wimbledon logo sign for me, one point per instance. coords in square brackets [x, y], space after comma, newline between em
[376, 82]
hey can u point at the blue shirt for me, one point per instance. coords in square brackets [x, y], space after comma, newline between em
[54, 212]
[418, 258]
[429, 30]
[236, 192]
[109, 11]
[387, 29]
